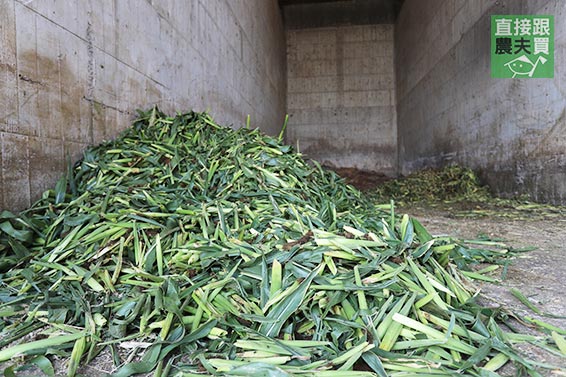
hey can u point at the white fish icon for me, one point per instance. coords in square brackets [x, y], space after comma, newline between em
[524, 66]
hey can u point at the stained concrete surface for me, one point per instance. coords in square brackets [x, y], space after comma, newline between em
[450, 110]
[341, 96]
[73, 73]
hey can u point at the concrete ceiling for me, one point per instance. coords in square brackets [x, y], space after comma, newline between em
[300, 14]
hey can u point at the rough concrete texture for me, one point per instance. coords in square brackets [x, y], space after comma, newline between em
[340, 96]
[72, 74]
[450, 111]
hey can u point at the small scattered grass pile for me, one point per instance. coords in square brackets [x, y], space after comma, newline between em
[514, 209]
[458, 190]
[451, 183]
[187, 248]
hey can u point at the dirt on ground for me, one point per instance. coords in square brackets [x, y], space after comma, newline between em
[362, 180]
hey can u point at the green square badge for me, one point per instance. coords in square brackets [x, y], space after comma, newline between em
[522, 46]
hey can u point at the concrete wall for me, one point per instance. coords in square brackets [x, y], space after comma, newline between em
[72, 73]
[341, 96]
[451, 111]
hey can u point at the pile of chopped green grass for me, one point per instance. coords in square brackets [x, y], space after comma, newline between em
[459, 191]
[452, 183]
[188, 248]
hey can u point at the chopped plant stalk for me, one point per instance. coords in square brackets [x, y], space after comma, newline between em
[190, 247]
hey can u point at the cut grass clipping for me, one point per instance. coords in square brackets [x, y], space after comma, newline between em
[452, 183]
[458, 190]
[187, 248]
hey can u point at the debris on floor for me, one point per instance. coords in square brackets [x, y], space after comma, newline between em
[451, 183]
[184, 247]
[453, 189]
[363, 180]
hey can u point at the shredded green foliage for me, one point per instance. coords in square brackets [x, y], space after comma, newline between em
[196, 249]
[514, 208]
[451, 183]
[459, 191]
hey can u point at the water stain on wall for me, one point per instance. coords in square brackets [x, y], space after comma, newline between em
[354, 154]
[58, 92]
